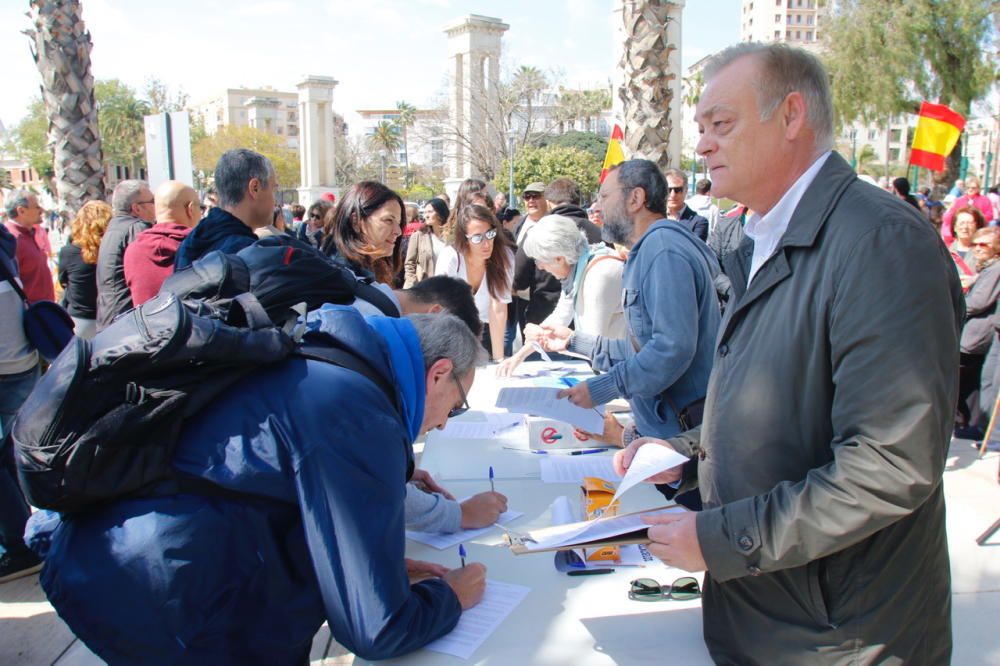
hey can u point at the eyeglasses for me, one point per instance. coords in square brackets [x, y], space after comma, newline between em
[647, 589]
[314, 216]
[982, 245]
[528, 196]
[458, 411]
[676, 190]
[476, 239]
[143, 203]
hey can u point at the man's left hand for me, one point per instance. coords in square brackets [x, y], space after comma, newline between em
[579, 395]
[425, 482]
[419, 570]
[675, 540]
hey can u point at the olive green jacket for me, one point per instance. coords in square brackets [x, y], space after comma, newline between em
[828, 417]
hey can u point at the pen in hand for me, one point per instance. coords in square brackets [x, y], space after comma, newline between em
[461, 553]
[492, 489]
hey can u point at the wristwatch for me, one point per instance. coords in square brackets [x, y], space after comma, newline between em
[629, 434]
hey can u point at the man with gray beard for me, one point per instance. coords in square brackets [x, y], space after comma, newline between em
[662, 365]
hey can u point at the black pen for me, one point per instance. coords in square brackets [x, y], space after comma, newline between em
[589, 572]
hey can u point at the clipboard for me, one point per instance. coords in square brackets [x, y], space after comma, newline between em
[518, 541]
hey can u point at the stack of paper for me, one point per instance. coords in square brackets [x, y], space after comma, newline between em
[479, 622]
[443, 541]
[495, 424]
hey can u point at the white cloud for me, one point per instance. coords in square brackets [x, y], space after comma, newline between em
[265, 9]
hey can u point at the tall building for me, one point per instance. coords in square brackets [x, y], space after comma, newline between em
[274, 111]
[797, 22]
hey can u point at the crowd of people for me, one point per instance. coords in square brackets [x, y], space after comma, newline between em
[768, 344]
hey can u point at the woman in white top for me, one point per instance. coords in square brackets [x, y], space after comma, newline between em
[591, 278]
[482, 256]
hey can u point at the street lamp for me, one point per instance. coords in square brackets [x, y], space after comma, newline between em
[511, 137]
[382, 155]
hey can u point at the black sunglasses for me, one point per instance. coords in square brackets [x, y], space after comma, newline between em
[647, 589]
[676, 190]
[458, 411]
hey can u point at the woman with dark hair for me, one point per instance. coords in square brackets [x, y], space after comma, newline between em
[967, 222]
[901, 188]
[426, 244]
[363, 231]
[311, 230]
[483, 257]
[471, 191]
[78, 266]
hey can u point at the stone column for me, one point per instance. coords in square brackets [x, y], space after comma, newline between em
[316, 148]
[473, 42]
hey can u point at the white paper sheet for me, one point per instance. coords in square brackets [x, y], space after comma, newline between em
[479, 622]
[541, 352]
[649, 460]
[593, 530]
[495, 424]
[631, 555]
[443, 541]
[542, 401]
[571, 469]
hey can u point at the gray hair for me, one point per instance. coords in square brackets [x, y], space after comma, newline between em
[677, 173]
[125, 194]
[17, 198]
[785, 70]
[446, 336]
[555, 236]
[235, 169]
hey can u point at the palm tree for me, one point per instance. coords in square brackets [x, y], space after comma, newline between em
[407, 116]
[647, 68]
[123, 129]
[528, 82]
[61, 48]
[385, 137]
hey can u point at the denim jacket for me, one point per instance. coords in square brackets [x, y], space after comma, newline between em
[673, 317]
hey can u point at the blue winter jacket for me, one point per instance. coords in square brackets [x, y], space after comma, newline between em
[672, 312]
[323, 456]
[220, 230]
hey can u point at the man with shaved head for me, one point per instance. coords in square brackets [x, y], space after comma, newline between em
[150, 258]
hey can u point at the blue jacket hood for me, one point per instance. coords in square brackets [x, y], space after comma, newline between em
[395, 353]
[220, 230]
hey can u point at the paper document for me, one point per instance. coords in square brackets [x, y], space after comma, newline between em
[572, 469]
[444, 541]
[542, 401]
[479, 622]
[540, 368]
[541, 352]
[592, 532]
[495, 424]
[649, 460]
[631, 555]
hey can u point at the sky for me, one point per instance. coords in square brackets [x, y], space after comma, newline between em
[380, 51]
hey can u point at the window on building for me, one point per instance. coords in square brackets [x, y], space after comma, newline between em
[894, 154]
[798, 34]
[281, 130]
[798, 18]
[895, 135]
[24, 176]
[293, 130]
[872, 134]
[777, 35]
[291, 117]
[809, 20]
[777, 18]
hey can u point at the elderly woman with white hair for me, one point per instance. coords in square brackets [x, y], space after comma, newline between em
[591, 278]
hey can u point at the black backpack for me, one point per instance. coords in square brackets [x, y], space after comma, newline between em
[104, 421]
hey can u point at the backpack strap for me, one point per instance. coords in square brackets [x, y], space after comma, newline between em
[368, 292]
[351, 361]
[9, 277]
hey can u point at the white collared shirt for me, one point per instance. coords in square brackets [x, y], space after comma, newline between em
[767, 230]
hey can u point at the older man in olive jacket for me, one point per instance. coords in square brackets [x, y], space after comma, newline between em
[831, 398]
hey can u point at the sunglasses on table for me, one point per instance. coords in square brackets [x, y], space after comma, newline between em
[647, 589]
[476, 239]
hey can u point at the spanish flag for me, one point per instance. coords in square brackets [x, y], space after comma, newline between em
[614, 155]
[938, 129]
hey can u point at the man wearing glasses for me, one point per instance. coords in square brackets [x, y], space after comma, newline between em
[132, 203]
[677, 208]
[309, 463]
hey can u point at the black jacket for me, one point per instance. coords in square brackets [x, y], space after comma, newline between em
[79, 283]
[113, 295]
[220, 230]
[694, 222]
[544, 287]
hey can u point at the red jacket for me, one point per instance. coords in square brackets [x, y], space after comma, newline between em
[32, 263]
[149, 259]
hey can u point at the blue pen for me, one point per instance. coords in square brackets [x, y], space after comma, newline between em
[569, 382]
[492, 489]
[576, 452]
[461, 553]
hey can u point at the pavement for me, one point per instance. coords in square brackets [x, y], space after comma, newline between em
[31, 634]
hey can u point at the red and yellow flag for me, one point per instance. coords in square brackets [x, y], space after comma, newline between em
[938, 129]
[614, 155]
